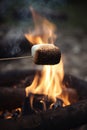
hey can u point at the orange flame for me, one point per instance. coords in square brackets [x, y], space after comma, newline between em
[50, 82]
[44, 31]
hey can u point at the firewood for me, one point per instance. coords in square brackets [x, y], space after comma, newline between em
[15, 96]
[11, 98]
[63, 118]
[40, 103]
[14, 77]
[77, 84]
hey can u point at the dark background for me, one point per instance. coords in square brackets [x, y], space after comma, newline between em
[70, 17]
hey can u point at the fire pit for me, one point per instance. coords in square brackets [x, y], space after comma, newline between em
[46, 98]
[70, 116]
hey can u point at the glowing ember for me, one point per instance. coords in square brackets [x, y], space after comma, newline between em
[50, 81]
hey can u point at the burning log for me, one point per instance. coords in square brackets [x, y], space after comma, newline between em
[11, 98]
[67, 117]
[40, 103]
[77, 84]
[15, 96]
[14, 77]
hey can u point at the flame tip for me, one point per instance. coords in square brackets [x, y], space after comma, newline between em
[50, 81]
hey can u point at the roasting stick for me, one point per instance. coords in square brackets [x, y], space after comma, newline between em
[41, 54]
[15, 58]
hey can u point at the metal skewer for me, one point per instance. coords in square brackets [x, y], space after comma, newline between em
[15, 58]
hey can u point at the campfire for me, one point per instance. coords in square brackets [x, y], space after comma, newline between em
[51, 99]
[50, 82]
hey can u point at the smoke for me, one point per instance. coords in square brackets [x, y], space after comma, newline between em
[17, 18]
